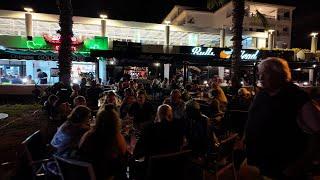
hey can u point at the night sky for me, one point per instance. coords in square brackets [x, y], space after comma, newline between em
[306, 15]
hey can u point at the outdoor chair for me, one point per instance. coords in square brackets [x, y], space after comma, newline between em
[73, 169]
[32, 157]
[222, 158]
[169, 166]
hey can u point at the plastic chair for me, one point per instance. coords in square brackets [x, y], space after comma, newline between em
[73, 169]
[169, 166]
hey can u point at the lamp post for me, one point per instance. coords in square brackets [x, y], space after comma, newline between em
[28, 21]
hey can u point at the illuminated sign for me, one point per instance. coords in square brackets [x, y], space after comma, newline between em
[198, 51]
[245, 54]
[55, 40]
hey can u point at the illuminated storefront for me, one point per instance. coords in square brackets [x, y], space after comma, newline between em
[20, 57]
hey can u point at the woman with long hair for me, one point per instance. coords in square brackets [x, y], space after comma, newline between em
[70, 132]
[104, 146]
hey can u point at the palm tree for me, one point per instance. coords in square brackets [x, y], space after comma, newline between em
[65, 53]
[237, 27]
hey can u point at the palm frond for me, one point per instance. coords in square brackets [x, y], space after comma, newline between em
[262, 19]
[213, 4]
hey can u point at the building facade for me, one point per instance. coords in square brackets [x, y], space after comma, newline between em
[279, 19]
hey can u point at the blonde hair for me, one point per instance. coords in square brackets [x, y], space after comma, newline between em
[276, 66]
[162, 112]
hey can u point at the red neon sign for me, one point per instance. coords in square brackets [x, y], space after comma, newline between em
[55, 40]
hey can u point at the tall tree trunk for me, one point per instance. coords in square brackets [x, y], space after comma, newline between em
[237, 27]
[65, 53]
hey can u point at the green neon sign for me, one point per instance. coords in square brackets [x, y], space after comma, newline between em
[99, 43]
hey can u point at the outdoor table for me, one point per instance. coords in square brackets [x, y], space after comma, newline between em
[3, 116]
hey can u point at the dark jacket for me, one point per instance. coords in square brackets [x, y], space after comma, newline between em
[273, 138]
[159, 138]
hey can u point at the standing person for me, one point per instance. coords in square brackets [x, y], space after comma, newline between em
[83, 87]
[93, 95]
[274, 141]
[42, 76]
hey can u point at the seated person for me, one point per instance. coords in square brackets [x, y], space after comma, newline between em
[197, 129]
[79, 100]
[70, 132]
[141, 110]
[161, 136]
[104, 146]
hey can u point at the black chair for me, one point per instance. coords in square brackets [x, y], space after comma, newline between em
[72, 169]
[170, 166]
[32, 156]
[223, 157]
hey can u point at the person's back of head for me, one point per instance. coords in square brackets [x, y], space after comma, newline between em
[193, 110]
[79, 100]
[164, 113]
[274, 73]
[80, 114]
[107, 122]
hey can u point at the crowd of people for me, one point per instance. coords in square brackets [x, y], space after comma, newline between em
[104, 128]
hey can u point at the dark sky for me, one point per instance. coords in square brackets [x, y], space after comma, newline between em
[306, 15]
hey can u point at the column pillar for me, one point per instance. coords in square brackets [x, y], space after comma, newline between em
[102, 70]
[103, 28]
[166, 67]
[311, 75]
[222, 37]
[270, 39]
[222, 45]
[314, 42]
[29, 27]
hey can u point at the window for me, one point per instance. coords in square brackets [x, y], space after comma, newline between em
[286, 15]
[286, 29]
[260, 30]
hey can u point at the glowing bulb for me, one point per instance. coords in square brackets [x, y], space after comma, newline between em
[305, 83]
[28, 9]
[112, 62]
[157, 64]
[75, 81]
[24, 80]
[205, 82]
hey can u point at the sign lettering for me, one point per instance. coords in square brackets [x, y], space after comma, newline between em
[198, 51]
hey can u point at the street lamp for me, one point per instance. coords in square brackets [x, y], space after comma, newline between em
[270, 39]
[28, 22]
[314, 34]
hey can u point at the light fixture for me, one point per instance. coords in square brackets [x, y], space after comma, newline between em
[167, 22]
[103, 16]
[305, 83]
[271, 31]
[24, 80]
[205, 82]
[28, 9]
[314, 34]
[75, 81]
[298, 69]
[157, 64]
[314, 66]
[111, 62]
